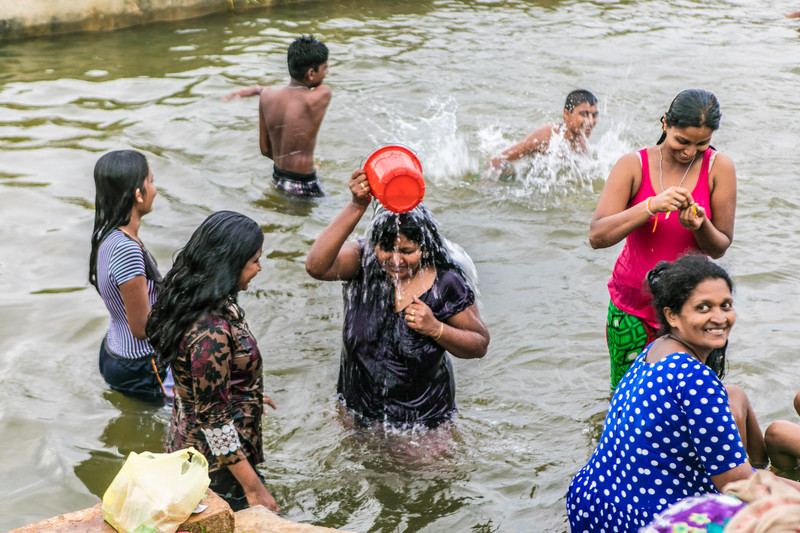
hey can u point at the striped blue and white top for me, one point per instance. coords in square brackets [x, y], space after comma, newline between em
[120, 259]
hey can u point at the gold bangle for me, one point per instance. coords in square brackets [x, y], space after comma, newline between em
[441, 329]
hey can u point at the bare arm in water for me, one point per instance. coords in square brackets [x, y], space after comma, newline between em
[331, 257]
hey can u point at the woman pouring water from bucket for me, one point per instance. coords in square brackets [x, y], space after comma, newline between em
[406, 301]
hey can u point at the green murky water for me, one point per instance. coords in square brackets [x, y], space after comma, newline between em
[456, 81]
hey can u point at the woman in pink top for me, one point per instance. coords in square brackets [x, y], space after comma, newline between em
[675, 198]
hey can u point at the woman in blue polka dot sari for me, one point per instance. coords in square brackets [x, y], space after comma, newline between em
[669, 432]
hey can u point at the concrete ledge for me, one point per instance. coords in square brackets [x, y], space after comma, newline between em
[30, 18]
[217, 518]
[259, 519]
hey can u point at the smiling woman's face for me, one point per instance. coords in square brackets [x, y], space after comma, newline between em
[403, 261]
[685, 143]
[706, 318]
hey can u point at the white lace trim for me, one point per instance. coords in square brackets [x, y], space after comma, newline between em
[222, 440]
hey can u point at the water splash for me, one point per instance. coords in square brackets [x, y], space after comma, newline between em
[433, 135]
[417, 445]
[559, 174]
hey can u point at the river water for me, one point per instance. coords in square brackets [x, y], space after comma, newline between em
[456, 81]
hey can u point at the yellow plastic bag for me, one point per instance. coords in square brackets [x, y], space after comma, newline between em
[156, 492]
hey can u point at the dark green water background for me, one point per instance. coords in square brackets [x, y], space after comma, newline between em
[456, 81]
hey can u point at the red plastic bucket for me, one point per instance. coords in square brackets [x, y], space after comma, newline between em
[395, 178]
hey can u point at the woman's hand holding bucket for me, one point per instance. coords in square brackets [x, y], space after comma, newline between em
[395, 178]
[359, 187]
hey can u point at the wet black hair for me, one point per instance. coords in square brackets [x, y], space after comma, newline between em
[305, 53]
[692, 108]
[671, 284]
[578, 97]
[418, 226]
[204, 277]
[372, 293]
[117, 177]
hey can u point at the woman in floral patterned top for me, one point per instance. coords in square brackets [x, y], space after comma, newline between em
[198, 328]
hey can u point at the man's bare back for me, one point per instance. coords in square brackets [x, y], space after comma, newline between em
[289, 120]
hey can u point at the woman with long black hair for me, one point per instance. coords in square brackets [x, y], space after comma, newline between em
[125, 273]
[198, 328]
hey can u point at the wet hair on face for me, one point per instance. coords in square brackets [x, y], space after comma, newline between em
[692, 108]
[671, 285]
[418, 226]
[578, 97]
[305, 53]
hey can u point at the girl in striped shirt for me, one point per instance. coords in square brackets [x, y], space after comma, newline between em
[125, 273]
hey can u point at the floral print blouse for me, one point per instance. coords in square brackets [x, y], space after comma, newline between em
[219, 391]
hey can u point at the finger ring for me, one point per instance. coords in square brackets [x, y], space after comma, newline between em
[677, 204]
[363, 187]
[412, 318]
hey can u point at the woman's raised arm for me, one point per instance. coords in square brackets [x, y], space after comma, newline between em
[331, 257]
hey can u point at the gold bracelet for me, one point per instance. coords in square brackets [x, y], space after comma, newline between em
[441, 329]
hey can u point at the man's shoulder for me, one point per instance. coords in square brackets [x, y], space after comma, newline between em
[552, 128]
[545, 131]
[323, 91]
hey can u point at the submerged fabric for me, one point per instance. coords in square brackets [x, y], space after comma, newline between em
[668, 429]
[389, 372]
[303, 185]
[218, 386]
[626, 336]
[132, 377]
[644, 248]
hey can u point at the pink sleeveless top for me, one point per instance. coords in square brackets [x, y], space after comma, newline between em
[644, 248]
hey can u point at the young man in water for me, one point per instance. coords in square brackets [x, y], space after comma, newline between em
[289, 117]
[580, 117]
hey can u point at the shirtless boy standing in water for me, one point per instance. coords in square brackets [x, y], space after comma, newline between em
[289, 118]
[580, 117]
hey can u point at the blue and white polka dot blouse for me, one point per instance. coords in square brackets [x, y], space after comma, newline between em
[667, 430]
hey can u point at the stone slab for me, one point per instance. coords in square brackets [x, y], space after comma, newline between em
[217, 518]
[259, 519]
[31, 18]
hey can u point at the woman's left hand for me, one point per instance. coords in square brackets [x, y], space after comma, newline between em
[268, 401]
[692, 217]
[419, 317]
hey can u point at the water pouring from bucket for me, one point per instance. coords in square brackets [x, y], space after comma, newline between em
[395, 178]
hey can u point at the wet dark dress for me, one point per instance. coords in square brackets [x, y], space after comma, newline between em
[389, 372]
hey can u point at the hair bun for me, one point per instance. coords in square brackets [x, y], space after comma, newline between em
[654, 275]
